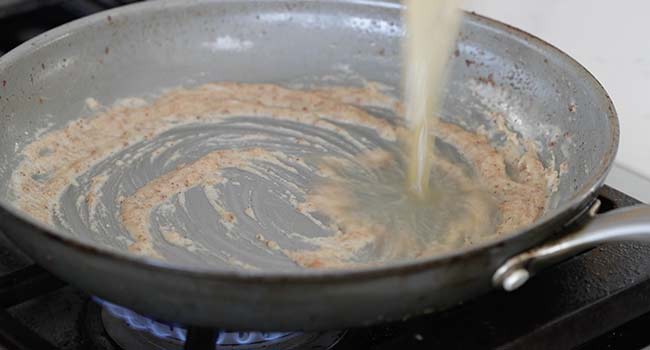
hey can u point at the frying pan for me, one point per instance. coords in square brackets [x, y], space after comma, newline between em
[143, 49]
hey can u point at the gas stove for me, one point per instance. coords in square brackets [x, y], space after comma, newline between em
[599, 299]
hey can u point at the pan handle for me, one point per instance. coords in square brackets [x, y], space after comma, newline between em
[626, 224]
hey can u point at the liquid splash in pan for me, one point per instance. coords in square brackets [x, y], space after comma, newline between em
[258, 176]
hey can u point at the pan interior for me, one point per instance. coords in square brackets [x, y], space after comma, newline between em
[541, 94]
[248, 175]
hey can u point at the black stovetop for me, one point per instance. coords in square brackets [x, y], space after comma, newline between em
[597, 300]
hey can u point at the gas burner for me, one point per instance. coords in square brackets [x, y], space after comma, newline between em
[130, 330]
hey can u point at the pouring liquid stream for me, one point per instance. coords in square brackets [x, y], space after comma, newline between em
[410, 198]
[432, 26]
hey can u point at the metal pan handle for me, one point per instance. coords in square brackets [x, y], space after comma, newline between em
[626, 224]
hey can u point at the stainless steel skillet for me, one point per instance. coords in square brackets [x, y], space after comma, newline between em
[141, 49]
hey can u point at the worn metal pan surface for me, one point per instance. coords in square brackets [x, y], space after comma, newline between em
[143, 49]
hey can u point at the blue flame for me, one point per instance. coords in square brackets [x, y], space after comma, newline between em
[167, 331]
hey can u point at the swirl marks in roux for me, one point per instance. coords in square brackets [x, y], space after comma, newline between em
[257, 176]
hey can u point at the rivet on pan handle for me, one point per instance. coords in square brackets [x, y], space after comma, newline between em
[626, 224]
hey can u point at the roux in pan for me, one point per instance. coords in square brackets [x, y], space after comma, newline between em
[340, 167]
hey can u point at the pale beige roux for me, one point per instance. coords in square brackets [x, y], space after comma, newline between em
[53, 163]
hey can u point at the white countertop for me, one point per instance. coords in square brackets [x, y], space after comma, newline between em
[612, 40]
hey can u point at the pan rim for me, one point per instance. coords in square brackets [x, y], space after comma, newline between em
[581, 196]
